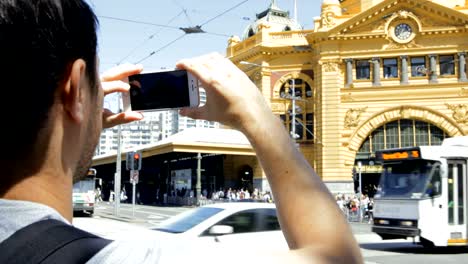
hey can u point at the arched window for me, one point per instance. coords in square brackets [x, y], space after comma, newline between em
[402, 133]
[301, 89]
[287, 28]
[304, 125]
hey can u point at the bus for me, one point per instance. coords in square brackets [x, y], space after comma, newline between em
[84, 194]
[423, 194]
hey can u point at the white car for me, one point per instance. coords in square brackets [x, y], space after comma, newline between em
[238, 225]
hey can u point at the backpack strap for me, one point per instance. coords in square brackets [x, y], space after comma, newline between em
[50, 241]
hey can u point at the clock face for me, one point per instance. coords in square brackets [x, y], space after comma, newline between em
[403, 31]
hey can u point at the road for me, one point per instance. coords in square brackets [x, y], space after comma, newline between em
[374, 249]
[145, 216]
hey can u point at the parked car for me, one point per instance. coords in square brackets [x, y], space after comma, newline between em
[240, 225]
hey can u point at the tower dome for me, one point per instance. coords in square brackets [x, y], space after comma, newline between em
[277, 19]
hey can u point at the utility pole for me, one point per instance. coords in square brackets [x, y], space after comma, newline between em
[198, 185]
[117, 175]
[293, 98]
[360, 178]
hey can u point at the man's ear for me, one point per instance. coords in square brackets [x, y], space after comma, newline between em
[73, 95]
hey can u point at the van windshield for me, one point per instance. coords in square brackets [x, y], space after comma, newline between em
[413, 179]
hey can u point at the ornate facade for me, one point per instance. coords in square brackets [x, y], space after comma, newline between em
[372, 74]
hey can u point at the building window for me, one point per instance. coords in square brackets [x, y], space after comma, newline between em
[251, 32]
[418, 66]
[378, 142]
[402, 133]
[392, 135]
[310, 126]
[390, 68]
[421, 133]
[362, 70]
[407, 133]
[447, 65]
[309, 92]
[301, 89]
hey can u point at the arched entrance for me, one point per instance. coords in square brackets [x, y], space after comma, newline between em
[395, 134]
[245, 178]
[400, 126]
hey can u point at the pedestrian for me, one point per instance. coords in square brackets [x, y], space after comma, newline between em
[98, 196]
[111, 196]
[123, 195]
[49, 60]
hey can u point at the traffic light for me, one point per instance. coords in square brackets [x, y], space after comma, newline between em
[129, 160]
[136, 164]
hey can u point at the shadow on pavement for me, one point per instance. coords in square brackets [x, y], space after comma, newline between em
[82, 214]
[405, 247]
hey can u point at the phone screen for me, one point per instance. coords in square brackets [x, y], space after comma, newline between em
[159, 90]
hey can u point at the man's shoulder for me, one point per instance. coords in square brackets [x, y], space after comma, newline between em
[145, 250]
[15, 215]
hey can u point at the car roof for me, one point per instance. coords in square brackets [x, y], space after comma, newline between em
[241, 205]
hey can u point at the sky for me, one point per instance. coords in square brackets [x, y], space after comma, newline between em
[123, 41]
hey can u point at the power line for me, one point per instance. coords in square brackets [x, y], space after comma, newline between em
[186, 32]
[223, 13]
[163, 47]
[184, 10]
[139, 22]
[148, 39]
[157, 25]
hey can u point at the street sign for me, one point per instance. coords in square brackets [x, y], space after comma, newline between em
[134, 176]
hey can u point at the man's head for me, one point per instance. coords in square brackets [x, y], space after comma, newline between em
[42, 42]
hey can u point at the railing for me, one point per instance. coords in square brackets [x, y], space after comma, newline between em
[358, 215]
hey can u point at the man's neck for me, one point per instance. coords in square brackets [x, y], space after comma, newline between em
[51, 190]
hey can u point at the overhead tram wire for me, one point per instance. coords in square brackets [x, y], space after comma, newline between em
[163, 47]
[198, 27]
[149, 38]
[139, 22]
[157, 25]
[184, 10]
[223, 13]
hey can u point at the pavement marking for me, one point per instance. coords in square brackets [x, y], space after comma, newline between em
[155, 216]
[155, 223]
[141, 211]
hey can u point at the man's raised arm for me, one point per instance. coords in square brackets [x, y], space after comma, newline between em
[312, 224]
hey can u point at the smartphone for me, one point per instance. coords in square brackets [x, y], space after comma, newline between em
[161, 90]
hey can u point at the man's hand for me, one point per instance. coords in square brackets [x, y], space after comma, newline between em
[232, 98]
[112, 81]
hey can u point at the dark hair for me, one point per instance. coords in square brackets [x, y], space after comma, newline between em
[39, 41]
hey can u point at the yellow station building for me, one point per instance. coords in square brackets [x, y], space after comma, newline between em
[371, 75]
